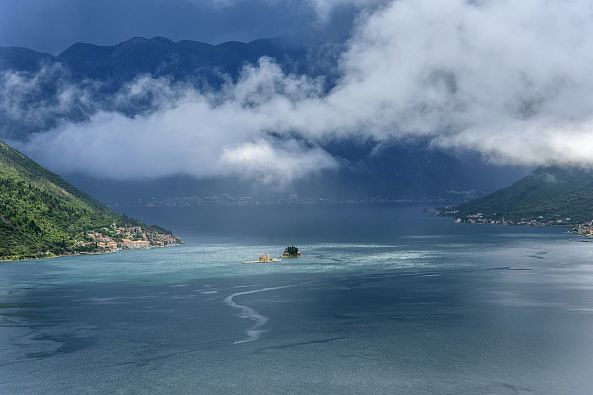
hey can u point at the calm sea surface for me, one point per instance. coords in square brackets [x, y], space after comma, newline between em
[384, 300]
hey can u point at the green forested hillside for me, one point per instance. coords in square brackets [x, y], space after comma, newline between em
[551, 193]
[40, 213]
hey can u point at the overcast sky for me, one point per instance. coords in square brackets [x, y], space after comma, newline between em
[53, 25]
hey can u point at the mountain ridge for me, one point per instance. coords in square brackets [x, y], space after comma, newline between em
[93, 77]
[232, 52]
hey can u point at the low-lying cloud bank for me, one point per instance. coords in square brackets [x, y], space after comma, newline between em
[511, 80]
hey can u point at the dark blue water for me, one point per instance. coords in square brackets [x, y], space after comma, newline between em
[394, 300]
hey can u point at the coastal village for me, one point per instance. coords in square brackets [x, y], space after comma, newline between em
[115, 238]
[479, 218]
[583, 229]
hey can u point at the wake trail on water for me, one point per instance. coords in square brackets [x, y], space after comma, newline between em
[255, 331]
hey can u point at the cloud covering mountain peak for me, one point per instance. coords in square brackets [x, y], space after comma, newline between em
[508, 79]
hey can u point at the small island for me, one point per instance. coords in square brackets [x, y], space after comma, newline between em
[291, 252]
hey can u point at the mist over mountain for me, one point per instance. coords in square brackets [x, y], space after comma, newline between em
[42, 91]
[500, 82]
[409, 171]
[142, 76]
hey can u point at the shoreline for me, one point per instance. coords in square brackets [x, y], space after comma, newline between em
[572, 229]
[481, 219]
[39, 258]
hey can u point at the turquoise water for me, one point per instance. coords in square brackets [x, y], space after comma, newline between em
[416, 305]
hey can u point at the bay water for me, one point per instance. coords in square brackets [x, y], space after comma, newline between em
[385, 299]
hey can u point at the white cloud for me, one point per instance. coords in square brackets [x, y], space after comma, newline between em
[203, 135]
[18, 90]
[509, 79]
[275, 164]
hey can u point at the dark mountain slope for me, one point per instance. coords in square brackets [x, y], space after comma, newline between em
[553, 193]
[185, 60]
[22, 59]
